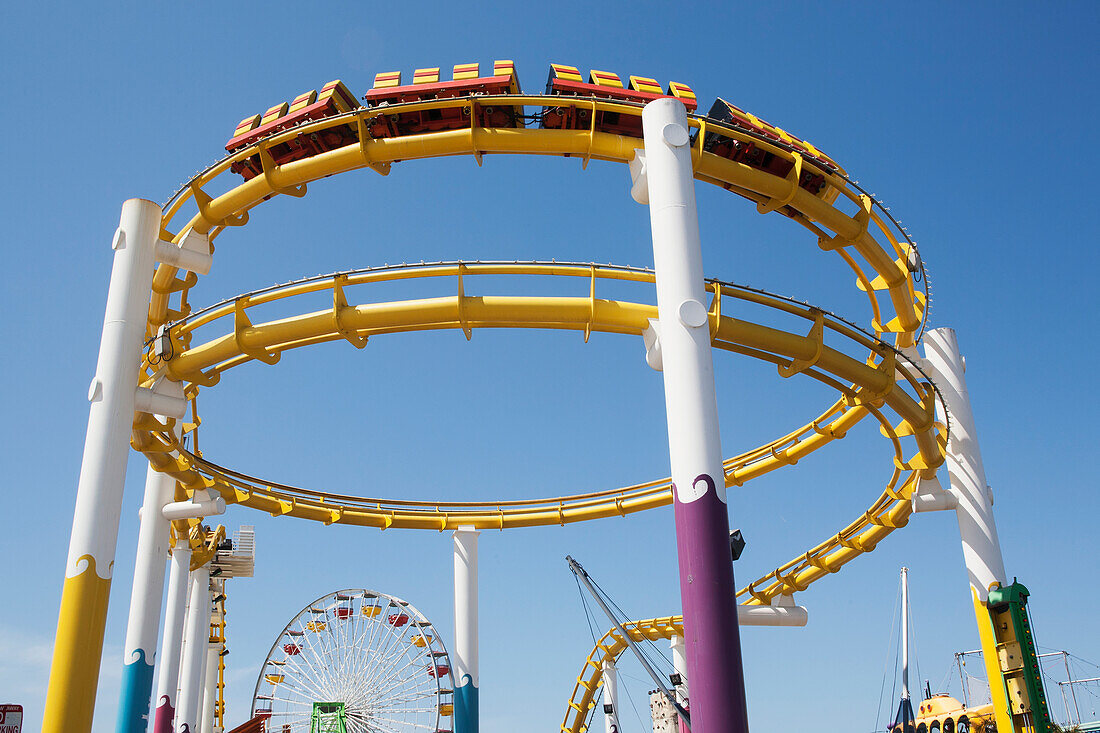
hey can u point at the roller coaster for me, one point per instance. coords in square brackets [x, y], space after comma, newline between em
[176, 352]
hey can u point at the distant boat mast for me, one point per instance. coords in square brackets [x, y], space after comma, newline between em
[905, 633]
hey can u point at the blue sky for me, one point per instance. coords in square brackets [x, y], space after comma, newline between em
[972, 122]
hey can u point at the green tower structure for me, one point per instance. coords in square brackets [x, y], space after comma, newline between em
[328, 717]
[1018, 658]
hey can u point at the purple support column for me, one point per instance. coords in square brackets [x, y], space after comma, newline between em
[695, 448]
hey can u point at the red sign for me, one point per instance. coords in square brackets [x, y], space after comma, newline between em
[11, 718]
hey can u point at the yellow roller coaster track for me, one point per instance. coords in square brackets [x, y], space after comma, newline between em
[843, 219]
[608, 648]
[873, 382]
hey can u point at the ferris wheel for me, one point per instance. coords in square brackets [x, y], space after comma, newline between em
[356, 661]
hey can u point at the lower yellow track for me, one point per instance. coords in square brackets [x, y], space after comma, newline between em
[608, 648]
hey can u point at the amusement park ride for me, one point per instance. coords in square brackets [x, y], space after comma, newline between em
[152, 368]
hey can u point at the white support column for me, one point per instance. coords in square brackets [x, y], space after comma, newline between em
[610, 697]
[196, 639]
[972, 500]
[465, 658]
[175, 615]
[210, 688]
[680, 664]
[141, 631]
[78, 648]
[695, 448]
[139, 652]
[974, 503]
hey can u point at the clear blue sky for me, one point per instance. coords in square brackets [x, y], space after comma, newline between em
[973, 122]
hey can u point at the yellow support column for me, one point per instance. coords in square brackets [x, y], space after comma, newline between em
[992, 665]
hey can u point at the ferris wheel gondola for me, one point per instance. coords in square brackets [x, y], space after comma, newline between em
[358, 661]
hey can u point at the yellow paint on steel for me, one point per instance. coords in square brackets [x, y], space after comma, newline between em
[608, 648]
[841, 219]
[1002, 710]
[70, 697]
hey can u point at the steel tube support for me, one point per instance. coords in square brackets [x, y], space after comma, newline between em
[196, 639]
[711, 632]
[139, 653]
[78, 647]
[973, 500]
[679, 663]
[210, 688]
[610, 697]
[175, 614]
[981, 547]
[465, 658]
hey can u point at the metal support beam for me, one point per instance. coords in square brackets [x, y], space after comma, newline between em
[78, 647]
[196, 639]
[466, 672]
[695, 448]
[972, 498]
[610, 697]
[139, 654]
[171, 646]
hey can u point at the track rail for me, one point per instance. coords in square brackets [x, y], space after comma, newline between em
[845, 219]
[609, 647]
[866, 371]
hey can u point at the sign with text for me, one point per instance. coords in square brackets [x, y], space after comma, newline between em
[11, 718]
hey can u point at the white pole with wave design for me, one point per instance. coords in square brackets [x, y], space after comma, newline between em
[139, 653]
[195, 641]
[465, 651]
[711, 634]
[175, 614]
[78, 648]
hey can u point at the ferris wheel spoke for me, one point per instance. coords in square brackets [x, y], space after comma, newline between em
[392, 639]
[381, 693]
[393, 653]
[406, 723]
[319, 665]
[396, 676]
[335, 633]
[409, 686]
[401, 651]
[406, 696]
[303, 687]
[355, 628]
[319, 653]
[376, 724]
[404, 711]
[393, 664]
[307, 676]
[360, 656]
[356, 726]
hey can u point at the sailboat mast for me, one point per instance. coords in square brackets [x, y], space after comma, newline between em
[905, 633]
